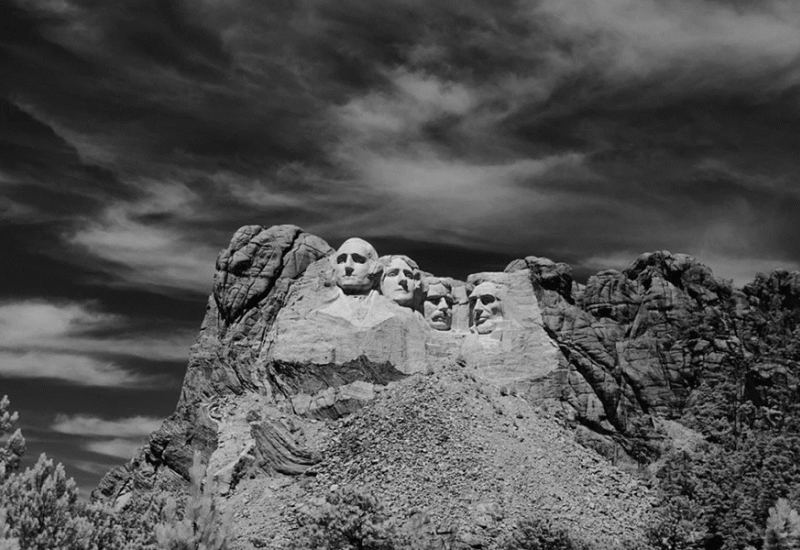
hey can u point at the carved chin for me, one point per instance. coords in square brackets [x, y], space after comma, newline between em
[353, 285]
[439, 324]
[402, 298]
[485, 326]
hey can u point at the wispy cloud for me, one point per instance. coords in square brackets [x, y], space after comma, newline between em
[701, 44]
[81, 329]
[76, 369]
[155, 254]
[95, 468]
[72, 342]
[120, 438]
[89, 425]
[118, 447]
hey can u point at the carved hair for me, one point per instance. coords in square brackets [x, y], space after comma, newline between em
[386, 261]
[428, 282]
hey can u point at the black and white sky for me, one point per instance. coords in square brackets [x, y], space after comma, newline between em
[137, 135]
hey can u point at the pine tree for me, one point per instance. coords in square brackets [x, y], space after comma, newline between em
[6, 541]
[203, 527]
[42, 508]
[783, 527]
[14, 448]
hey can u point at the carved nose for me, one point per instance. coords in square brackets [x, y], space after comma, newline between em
[348, 270]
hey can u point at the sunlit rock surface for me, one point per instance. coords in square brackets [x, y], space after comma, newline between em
[288, 351]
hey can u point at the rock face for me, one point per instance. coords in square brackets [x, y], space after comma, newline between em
[290, 349]
[620, 336]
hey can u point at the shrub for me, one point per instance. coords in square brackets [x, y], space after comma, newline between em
[41, 507]
[203, 526]
[6, 541]
[14, 448]
[537, 534]
[676, 526]
[348, 520]
[783, 527]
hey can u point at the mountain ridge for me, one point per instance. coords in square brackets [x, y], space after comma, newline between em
[622, 367]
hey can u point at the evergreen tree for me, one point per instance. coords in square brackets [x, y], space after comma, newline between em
[783, 527]
[41, 505]
[204, 526]
[13, 449]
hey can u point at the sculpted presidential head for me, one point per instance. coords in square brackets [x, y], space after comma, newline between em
[401, 281]
[486, 308]
[356, 266]
[438, 304]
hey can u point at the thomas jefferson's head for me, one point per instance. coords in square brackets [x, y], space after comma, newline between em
[401, 280]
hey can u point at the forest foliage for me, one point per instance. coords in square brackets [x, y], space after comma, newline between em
[747, 406]
[40, 509]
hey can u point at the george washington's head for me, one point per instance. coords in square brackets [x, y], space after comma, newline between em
[356, 266]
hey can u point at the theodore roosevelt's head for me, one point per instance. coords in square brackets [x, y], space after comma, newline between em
[438, 305]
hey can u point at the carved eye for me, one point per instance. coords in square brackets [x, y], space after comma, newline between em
[487, 299]
[359, 259]
[341, 258]
[408, 273]
[393, 272]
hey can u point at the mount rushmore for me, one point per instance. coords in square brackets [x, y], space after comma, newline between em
[311, 363]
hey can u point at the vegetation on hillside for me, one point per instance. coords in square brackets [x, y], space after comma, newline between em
[40, 510]
[747, 406]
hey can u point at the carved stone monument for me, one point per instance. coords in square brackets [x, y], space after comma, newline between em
[486, 308]
[401, 281]
[507, 344]
[356, 266]
[438, 304]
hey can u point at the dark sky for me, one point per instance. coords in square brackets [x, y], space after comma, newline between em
[136, 136]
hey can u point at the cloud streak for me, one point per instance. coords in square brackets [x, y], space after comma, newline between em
[119, 438]
[695, 45]
[72, 342]
[89, 425]
[79, 328]
[75, 369]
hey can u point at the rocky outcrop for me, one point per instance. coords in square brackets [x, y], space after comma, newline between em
[254, 275]
[284, 354]
[621, 336]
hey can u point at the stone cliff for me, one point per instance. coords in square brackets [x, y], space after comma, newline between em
[301, 379]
